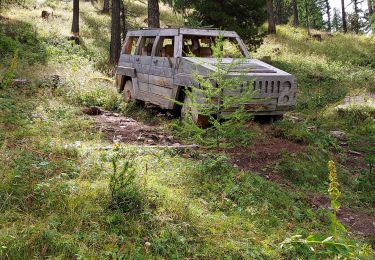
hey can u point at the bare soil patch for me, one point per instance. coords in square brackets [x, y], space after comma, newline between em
[117, 127]
[262, 155]
[360, 223]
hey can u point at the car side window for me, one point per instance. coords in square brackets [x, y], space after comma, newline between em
[165, 47]
[145, 48]
[130, 45]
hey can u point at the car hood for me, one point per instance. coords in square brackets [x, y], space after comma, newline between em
[242, 66]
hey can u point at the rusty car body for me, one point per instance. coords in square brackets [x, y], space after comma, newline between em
[156, 65]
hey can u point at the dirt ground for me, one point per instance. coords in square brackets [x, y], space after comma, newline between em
[124, 129]
[360, 223]
[260, 157]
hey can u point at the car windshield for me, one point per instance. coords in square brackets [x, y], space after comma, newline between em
[202, 46]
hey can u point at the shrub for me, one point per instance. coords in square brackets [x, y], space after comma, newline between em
[125, 193]
[7, 80]
[221, 100]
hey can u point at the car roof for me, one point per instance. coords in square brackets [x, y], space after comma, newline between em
[178, 31]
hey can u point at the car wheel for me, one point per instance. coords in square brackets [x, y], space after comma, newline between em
[128, 92]
[120, 83]
[187, 109]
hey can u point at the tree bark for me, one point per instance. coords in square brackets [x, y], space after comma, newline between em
[328, 10]
[115, 48]
[75, 23]
[271, 17]
[343, 17]
[153, 14]
[123, 20]
[295, 14]
[105, 7]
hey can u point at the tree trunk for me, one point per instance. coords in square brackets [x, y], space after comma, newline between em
[357, 26]
[153, 14]
[123, 20]
[328, 10]
[370, 7]
[343, 16]
[271, 17]
[295, 13]
[115, 48]
[105, 7]
[75, 24]
[278, 11]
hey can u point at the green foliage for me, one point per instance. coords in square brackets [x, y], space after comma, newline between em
[226, 15]
[21, 36]
[125, 193]
[221, 99]
[7, 79]
[337, 245]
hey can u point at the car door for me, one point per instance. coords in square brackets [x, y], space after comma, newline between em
[162, 72]
[142, 62]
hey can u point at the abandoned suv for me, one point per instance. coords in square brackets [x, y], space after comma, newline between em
[156, 65]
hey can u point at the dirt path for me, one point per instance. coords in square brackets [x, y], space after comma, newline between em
[127, 130]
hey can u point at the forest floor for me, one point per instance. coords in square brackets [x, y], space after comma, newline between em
[56, 152]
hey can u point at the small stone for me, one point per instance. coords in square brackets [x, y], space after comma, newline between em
[311, 128]
[339, 135]
[150, 142]
[92, 111]
[354, 153]
[147, 244]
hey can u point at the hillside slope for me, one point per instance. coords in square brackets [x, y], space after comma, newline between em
[57, 191]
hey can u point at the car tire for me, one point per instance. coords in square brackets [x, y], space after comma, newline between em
[200, 120]
[128, 92]
[120, 82]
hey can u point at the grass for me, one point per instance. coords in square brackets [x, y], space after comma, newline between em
[55, 200]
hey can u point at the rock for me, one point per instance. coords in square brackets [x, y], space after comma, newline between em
[339, 135]
[311, 128]
[45, 14]
[92, 111]
[150, 142]
[19, 82]
[357, 102]
[176, 144]
[293, 118]
[354, 153]
[147, 244]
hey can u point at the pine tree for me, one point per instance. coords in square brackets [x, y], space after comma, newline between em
[336, 20]
[75, 23]
[295, 13]
[105, 6]
[271, 17]
[243, 16]
[153, 14]
[328, 13]
[343, 15]
[115, 32]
